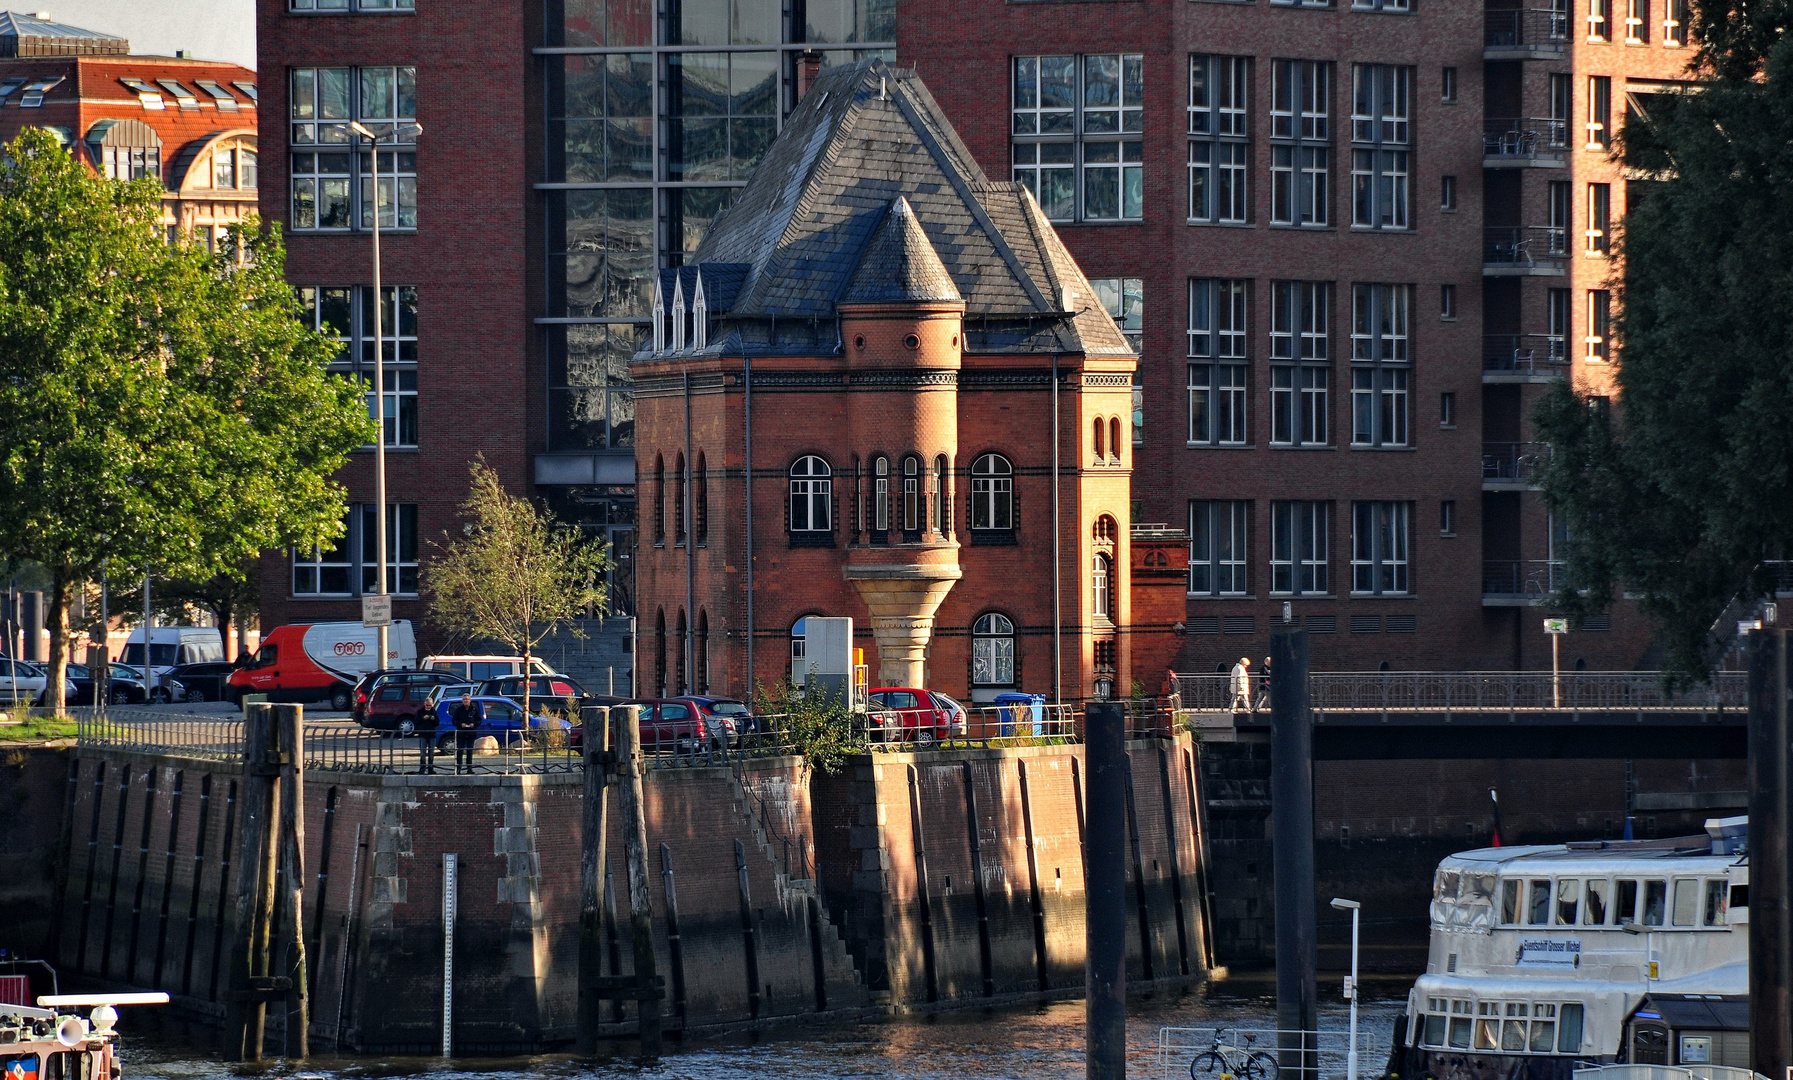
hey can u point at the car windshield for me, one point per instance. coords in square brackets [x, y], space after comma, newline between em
[728, 708]
[941, 701]
[126, 671]
[77, 671]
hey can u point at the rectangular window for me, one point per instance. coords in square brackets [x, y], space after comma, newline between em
[1557, 329]
[1397, 6]
[132, 163]
[332, 166]
[347, 314]
[1447, 517]
[1599, 230]
[1303, 3]
[1637, 22]
[354, 558]
[326, 570]
[1447, 301]
[1300, 370]
[1076, 127]
[1124, 300]
[1217, 361]
[1381, 139]
[1217, 547]
[1298, 559]
[1380, 365]
[1556, 237]
[1600, 20]
[1379, 557]
[1301, 142]
[1599, 339]
[1448, 83]
[1447, 409]
[1599, 125]
[1219, 140]
[351, 5]
[1674, 23]
[1447, 193]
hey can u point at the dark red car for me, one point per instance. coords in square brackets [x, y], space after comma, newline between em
[397, 699]
[922, 716]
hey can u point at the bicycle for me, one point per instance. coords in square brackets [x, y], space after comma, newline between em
[1220, 1062]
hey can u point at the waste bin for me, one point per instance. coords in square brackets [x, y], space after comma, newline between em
[1022, 709]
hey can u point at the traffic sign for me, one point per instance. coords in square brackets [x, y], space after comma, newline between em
[376, 611]
[1556, 626]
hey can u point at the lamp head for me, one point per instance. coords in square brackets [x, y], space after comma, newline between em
[361, 129]
[1345, 905]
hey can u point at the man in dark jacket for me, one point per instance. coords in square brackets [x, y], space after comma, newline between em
[466, 717]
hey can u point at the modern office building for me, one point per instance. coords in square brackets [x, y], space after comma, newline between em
[191, 124]
[1361, 238]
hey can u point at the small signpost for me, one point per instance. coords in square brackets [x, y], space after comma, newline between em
[1556, 628]
[376, 611]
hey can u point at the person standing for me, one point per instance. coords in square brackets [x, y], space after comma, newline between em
[1242, 685]
[465, 717]
[1264, 685]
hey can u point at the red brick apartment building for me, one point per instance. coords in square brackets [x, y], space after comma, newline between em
[1352, 242]
[189, 123]
[1360, 239]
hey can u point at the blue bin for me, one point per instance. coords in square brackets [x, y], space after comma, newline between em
[1020, 708]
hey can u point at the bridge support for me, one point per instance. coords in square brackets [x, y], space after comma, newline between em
[1292, 851]
[1770, 889]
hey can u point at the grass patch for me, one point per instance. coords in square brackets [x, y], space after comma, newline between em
[37, 729]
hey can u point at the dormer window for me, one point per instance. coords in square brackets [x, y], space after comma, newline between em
[33, 96]
[700, 329]
[187, 99]
[678, 316]
[660, 328]
[149, 96]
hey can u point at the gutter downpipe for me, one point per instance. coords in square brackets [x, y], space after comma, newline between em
[747, 487]
[689, 645]
[1058, 622]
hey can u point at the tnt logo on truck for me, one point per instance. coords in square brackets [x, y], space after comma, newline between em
[351, 648]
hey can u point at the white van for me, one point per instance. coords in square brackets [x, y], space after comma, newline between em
[476, 669]
[171, 646]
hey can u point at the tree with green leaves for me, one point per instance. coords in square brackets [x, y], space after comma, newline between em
[1682, 489]
[160, 405]
[516, 574]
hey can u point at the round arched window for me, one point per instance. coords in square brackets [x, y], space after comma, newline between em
[812, 488]
[992, 493]
[993, 651]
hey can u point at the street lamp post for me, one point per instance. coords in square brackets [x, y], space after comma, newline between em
[380, 582]
[1351, 985]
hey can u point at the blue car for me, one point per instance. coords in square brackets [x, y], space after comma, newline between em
[501, 718]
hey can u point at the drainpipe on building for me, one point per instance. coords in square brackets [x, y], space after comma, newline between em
[689, 644]
[1058, 622]
[747, 500]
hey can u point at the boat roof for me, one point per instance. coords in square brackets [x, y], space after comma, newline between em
[1593, 853]
[1724, 1012]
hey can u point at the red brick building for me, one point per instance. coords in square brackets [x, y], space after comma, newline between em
[849, 408]
[1360, 239]
[189, 123]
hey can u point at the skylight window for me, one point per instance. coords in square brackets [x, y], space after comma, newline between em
[248, 89]
[188, 100]
[220, 96]
[147, 94]
[33, 96]
[7, 87]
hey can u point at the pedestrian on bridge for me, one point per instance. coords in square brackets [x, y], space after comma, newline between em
[1242, 685]
[466, 720]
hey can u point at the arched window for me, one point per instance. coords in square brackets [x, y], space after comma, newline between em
[660, 653]
[659, 499]
[679, 668]
[993, 651]
[912, 522]
[703, 651]
[941, 523]
[799, 652]
[678, 501]
[1104, 530]
[1114, 437]
[880, 496]
[992, 493]
[1100, 429]
[1099, 578]
[812, 489]
[702, 479]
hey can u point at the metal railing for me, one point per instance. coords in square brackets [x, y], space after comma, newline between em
[1534, 353]
[1214, 1053]
[1480, 692]
[1667, 1072]
[1526, 28]
[1524, 245]
[1524, 137]
[153, 731]
[1514, 461]
[1521, 577]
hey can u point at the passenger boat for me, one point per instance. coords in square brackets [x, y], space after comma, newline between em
[63, 1037]
[1548, 958]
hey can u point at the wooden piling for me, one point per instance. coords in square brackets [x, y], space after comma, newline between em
[247, 1014]
[593, 880]
[641, 926]
[290, 719]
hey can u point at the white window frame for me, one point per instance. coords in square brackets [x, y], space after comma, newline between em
[338, 7]
[1299, 564]
[814, 491]
[1599, 123]
[992, 494]
[1382, 143]
[1599, 323]
[355, 360]
[1675, 17]
[1598, 234]
[1300, 363]
[1301, 143]
[993, 650]
[1600, 21]
[1096, 137]
[1637, 22]
[1219, 547]
[1219, 362]
[1381, 365]
[1219, 139]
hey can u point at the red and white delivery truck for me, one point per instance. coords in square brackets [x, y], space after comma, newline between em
[321, 661]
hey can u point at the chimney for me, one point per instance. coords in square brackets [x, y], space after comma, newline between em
[183, 54]
[809, 67]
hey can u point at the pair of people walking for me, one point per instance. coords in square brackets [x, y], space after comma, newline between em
[1241, 686]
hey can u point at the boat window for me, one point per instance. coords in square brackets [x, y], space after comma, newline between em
[1432, 1030]
[1568, 900]
[1696, 1049]
[1594, 914]
[1537, 912]
[1543, 1039]
[1624, 908]
[1655, 900]
[1687, 902]
[1512, 1033]
[1716, 888]
[1568, 1039]
[1509, 901]
[1459, 1035]
[1487, 1033]
[1445, 888]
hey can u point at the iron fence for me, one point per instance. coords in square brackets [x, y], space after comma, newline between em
[1216, 1053]
[1530, 578]
[1522, 138]
[1524, 353]
[155, 731]
[1514, 461]
[1524, 246]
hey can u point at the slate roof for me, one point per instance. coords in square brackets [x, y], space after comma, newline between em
[822, 207]
[28, 35]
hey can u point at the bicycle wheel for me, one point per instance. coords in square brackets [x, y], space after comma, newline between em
[1209, 1066]
[1260, 1066]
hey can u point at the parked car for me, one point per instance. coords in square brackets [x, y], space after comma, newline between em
[922, 716]
[550, 690]
[27, 681]
[321, 661]
[732, 716]
[124, 685]
[479, 668]
[501, 718]
[449, 691]
[396, 700]
[677, 725]
[209, 681]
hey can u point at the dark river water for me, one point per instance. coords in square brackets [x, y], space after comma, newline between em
[1026, 1043]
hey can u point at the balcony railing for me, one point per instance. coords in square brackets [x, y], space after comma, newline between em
[1527, 28]
[1524, 138]
[1519, 462]
[1525, 247]
[1537, 354]
[1521, 577]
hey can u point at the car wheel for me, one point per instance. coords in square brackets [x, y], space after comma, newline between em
[195, 696]
[339, 698]
[120, 696]
[924, 737]
[407, 725]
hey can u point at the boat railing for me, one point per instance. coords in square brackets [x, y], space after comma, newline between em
[1219, 1053]
[1667, 1072]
